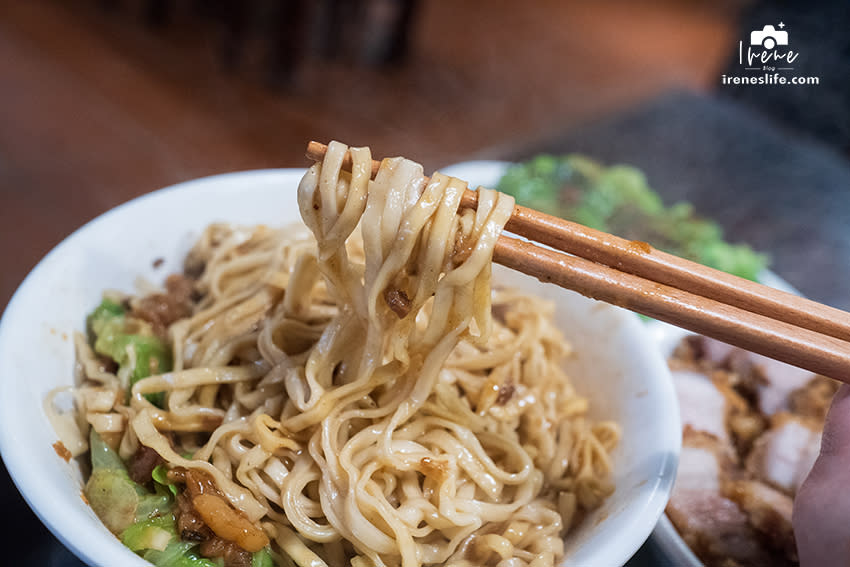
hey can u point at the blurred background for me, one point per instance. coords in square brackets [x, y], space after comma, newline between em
[104, 100]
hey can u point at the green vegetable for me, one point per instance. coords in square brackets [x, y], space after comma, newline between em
[156, 540]
[128, 342]
[262, 558]
[103, 456]
[154, 505]
[179, 554]
[116, 499]
[113, 497]
[618, 200]
[110, 492]
[106, 311]
[154, 533]
[160, 477]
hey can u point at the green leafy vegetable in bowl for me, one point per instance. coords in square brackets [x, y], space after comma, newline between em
[617, 199]
[129, 342]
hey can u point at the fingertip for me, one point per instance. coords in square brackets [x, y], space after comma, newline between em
[836, 429]
[843, 392]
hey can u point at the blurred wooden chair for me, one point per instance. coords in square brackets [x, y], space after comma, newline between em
[375, 33]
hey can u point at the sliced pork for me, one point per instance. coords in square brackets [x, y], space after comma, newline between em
[769, 382]
[784, 455]
[813, 399]
[714, 526]
[702, 405]
[768, 511]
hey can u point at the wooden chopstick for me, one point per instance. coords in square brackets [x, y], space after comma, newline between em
[636, 276]
[819, 353]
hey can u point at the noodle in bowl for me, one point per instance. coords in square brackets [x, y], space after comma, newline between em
[612, 365]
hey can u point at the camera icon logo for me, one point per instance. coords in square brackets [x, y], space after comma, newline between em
[769, 37]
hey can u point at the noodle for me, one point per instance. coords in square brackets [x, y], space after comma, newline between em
[360, 392]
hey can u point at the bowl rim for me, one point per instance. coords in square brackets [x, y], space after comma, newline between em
[72, 534]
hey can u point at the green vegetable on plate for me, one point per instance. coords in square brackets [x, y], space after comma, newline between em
[617, 199]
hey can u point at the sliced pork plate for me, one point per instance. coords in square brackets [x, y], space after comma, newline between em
[751, 432]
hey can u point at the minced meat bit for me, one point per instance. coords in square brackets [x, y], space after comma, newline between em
[398, 301]
[163, 309]
[142, 463]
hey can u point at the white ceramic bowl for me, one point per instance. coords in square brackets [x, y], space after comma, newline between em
[617, 365]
